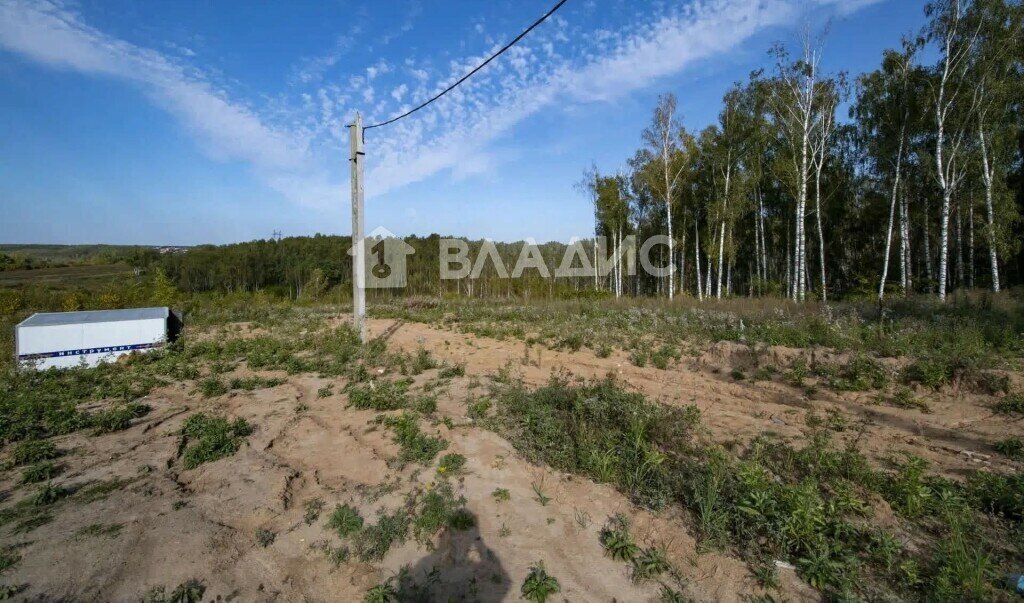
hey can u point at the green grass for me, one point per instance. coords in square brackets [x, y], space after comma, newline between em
[374, 541]
[379, 395]
[1012, 448]
[207, 439]
[40, 472]
[415, 446]
[440, 508]
[961, 335]
[255, 382]
[345, 520]
[118, 418]
[806, 505]
[451, 464]
[1012, 404]
[33, 451]
[100, 530]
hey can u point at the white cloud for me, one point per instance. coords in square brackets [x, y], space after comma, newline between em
[456, 131]
[399, 92]
[48, 33]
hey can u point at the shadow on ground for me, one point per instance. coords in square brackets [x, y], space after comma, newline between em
[461, 568]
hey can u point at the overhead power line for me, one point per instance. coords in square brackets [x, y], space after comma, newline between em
[478, 68]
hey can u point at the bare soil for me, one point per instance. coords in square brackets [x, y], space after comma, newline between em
[178, 524]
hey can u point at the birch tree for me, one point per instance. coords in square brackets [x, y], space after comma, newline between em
[884, 113]
[795, 108]
[952, 34]
[662, 138]
[996, 80]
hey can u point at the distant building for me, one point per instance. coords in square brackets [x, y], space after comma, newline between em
[68, 339]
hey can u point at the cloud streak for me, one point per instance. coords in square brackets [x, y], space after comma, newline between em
[49, 33]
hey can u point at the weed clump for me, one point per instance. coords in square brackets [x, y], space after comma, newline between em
[212, 438]
[39, 472]
[379, 395]
[32, 451]
[415, 446]
[597, 429]
[1012, 404]
[1012, 448]
[117, 419]
[345, 520]
[253, 383]
[265, 537]
[373, 542]
[616, 539]
[439, 508]
[451, 464]
[539, 585]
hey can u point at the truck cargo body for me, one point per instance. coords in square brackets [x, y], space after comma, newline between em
[69, 339]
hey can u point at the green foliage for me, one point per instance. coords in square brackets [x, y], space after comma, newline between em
[345, 520]
[616, 539]
[861, 373]
[212, 386]
[265, 537]
[190, 591]
[8, 558]
[416, 447]
[539, 585]
[455, 370]
[425, 405]
[254, 383]
[649, 563]
[1012, 448]
[98, 530]
[373, 542]
[1001, 495]
[118, 418]
[48, 494]
[313, 507]
[31, 451]
[597, 429]
[451, 464]
[501, 495]
[209, 438]
[382, 593]
[439, 508]
[40, 472]
[379, 395]
[1012, 404]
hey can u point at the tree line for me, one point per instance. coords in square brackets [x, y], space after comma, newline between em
[919, 190]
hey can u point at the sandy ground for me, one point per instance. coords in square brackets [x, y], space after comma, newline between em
[181, 524]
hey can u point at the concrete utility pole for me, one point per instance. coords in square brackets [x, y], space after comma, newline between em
[358, 261]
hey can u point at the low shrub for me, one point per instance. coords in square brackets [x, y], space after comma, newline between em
[209, 438]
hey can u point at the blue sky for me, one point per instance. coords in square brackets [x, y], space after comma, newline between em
[189, 122]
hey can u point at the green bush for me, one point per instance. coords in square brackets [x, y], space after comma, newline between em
[32, 451]
[415, 446]
[117, 419]
[379, 395]
[210, 438]
[345, 520]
